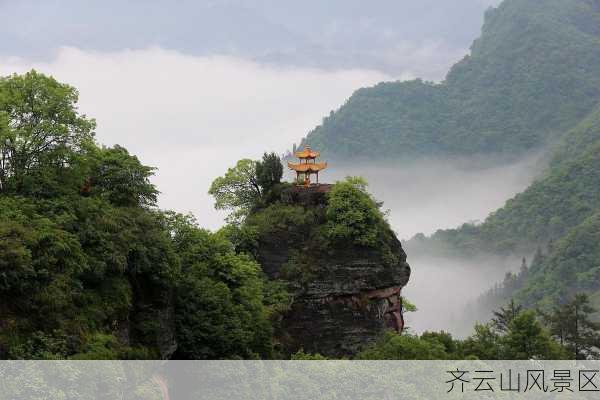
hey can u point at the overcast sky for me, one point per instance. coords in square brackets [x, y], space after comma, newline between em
[193, 86]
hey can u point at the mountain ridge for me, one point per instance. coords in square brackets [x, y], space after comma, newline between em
[533, 73]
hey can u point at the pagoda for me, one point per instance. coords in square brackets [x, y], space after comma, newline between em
[307, 166]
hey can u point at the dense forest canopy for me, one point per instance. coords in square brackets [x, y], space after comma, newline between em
[533, 73]
[90, 268]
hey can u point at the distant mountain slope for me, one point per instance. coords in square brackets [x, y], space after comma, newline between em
[563, 198]
[533, 74]
[579, 139]
[559, 215]
[571, 266]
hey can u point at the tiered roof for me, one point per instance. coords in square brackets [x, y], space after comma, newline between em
[307, 167]
[307, 153]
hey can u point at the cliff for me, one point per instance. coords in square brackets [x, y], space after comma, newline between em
[346, 291]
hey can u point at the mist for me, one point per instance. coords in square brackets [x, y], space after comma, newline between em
[427, 195]
[445, 289]
[424, 37]
[193, 117]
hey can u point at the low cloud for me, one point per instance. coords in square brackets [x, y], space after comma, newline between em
[193, 117]
[427, 195]
[430, 194]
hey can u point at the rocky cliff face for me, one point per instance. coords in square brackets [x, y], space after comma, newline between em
[344, 296]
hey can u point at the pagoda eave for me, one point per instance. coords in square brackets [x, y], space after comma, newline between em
[307, 167]
[307, 153]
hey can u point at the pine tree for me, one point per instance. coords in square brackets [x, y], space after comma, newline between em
[572, 326]
[504, 316]
[582, 334]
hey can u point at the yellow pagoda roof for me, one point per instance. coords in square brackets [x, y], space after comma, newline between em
[307, 167]
[307, 153]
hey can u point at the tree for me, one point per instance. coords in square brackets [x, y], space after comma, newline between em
[392, 346]
[238, 190]
[526, 339]
[557, 323]
[504, 316]
[269, 171]
[41, 130]
[572, 326]
[121, 178]
[219, 311]
[484, 344]
[352, 214]
[445, 338]
[523, 271]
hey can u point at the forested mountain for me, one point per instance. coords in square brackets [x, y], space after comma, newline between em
[532, 75]
[565, 196]
[557, 214]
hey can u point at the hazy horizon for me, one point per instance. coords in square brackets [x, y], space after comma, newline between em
[197, 86]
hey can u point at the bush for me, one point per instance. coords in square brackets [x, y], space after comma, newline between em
[352, 215]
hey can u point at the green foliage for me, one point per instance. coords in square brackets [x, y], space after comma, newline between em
[269, 171]
[579, 139]
[484, 344]
[41, 132]
[238, 191]
[219, 305]
[563, 198]
[520, 337]
[301, 355]
[248, 185]
[121, 179]
[506, 315]
[572, 326]
[352, 214]
[571, 265]
[280, 216]
[527, 339]
[526, 80]
[405, 347]
[560, 213]
[545, 211]
[89, 269]
[277, 298]
[407, 306]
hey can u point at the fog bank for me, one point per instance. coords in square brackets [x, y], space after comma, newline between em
[428, 195]
[193, 117]
[441, 288]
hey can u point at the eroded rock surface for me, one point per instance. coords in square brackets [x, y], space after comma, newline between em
[346, 296]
